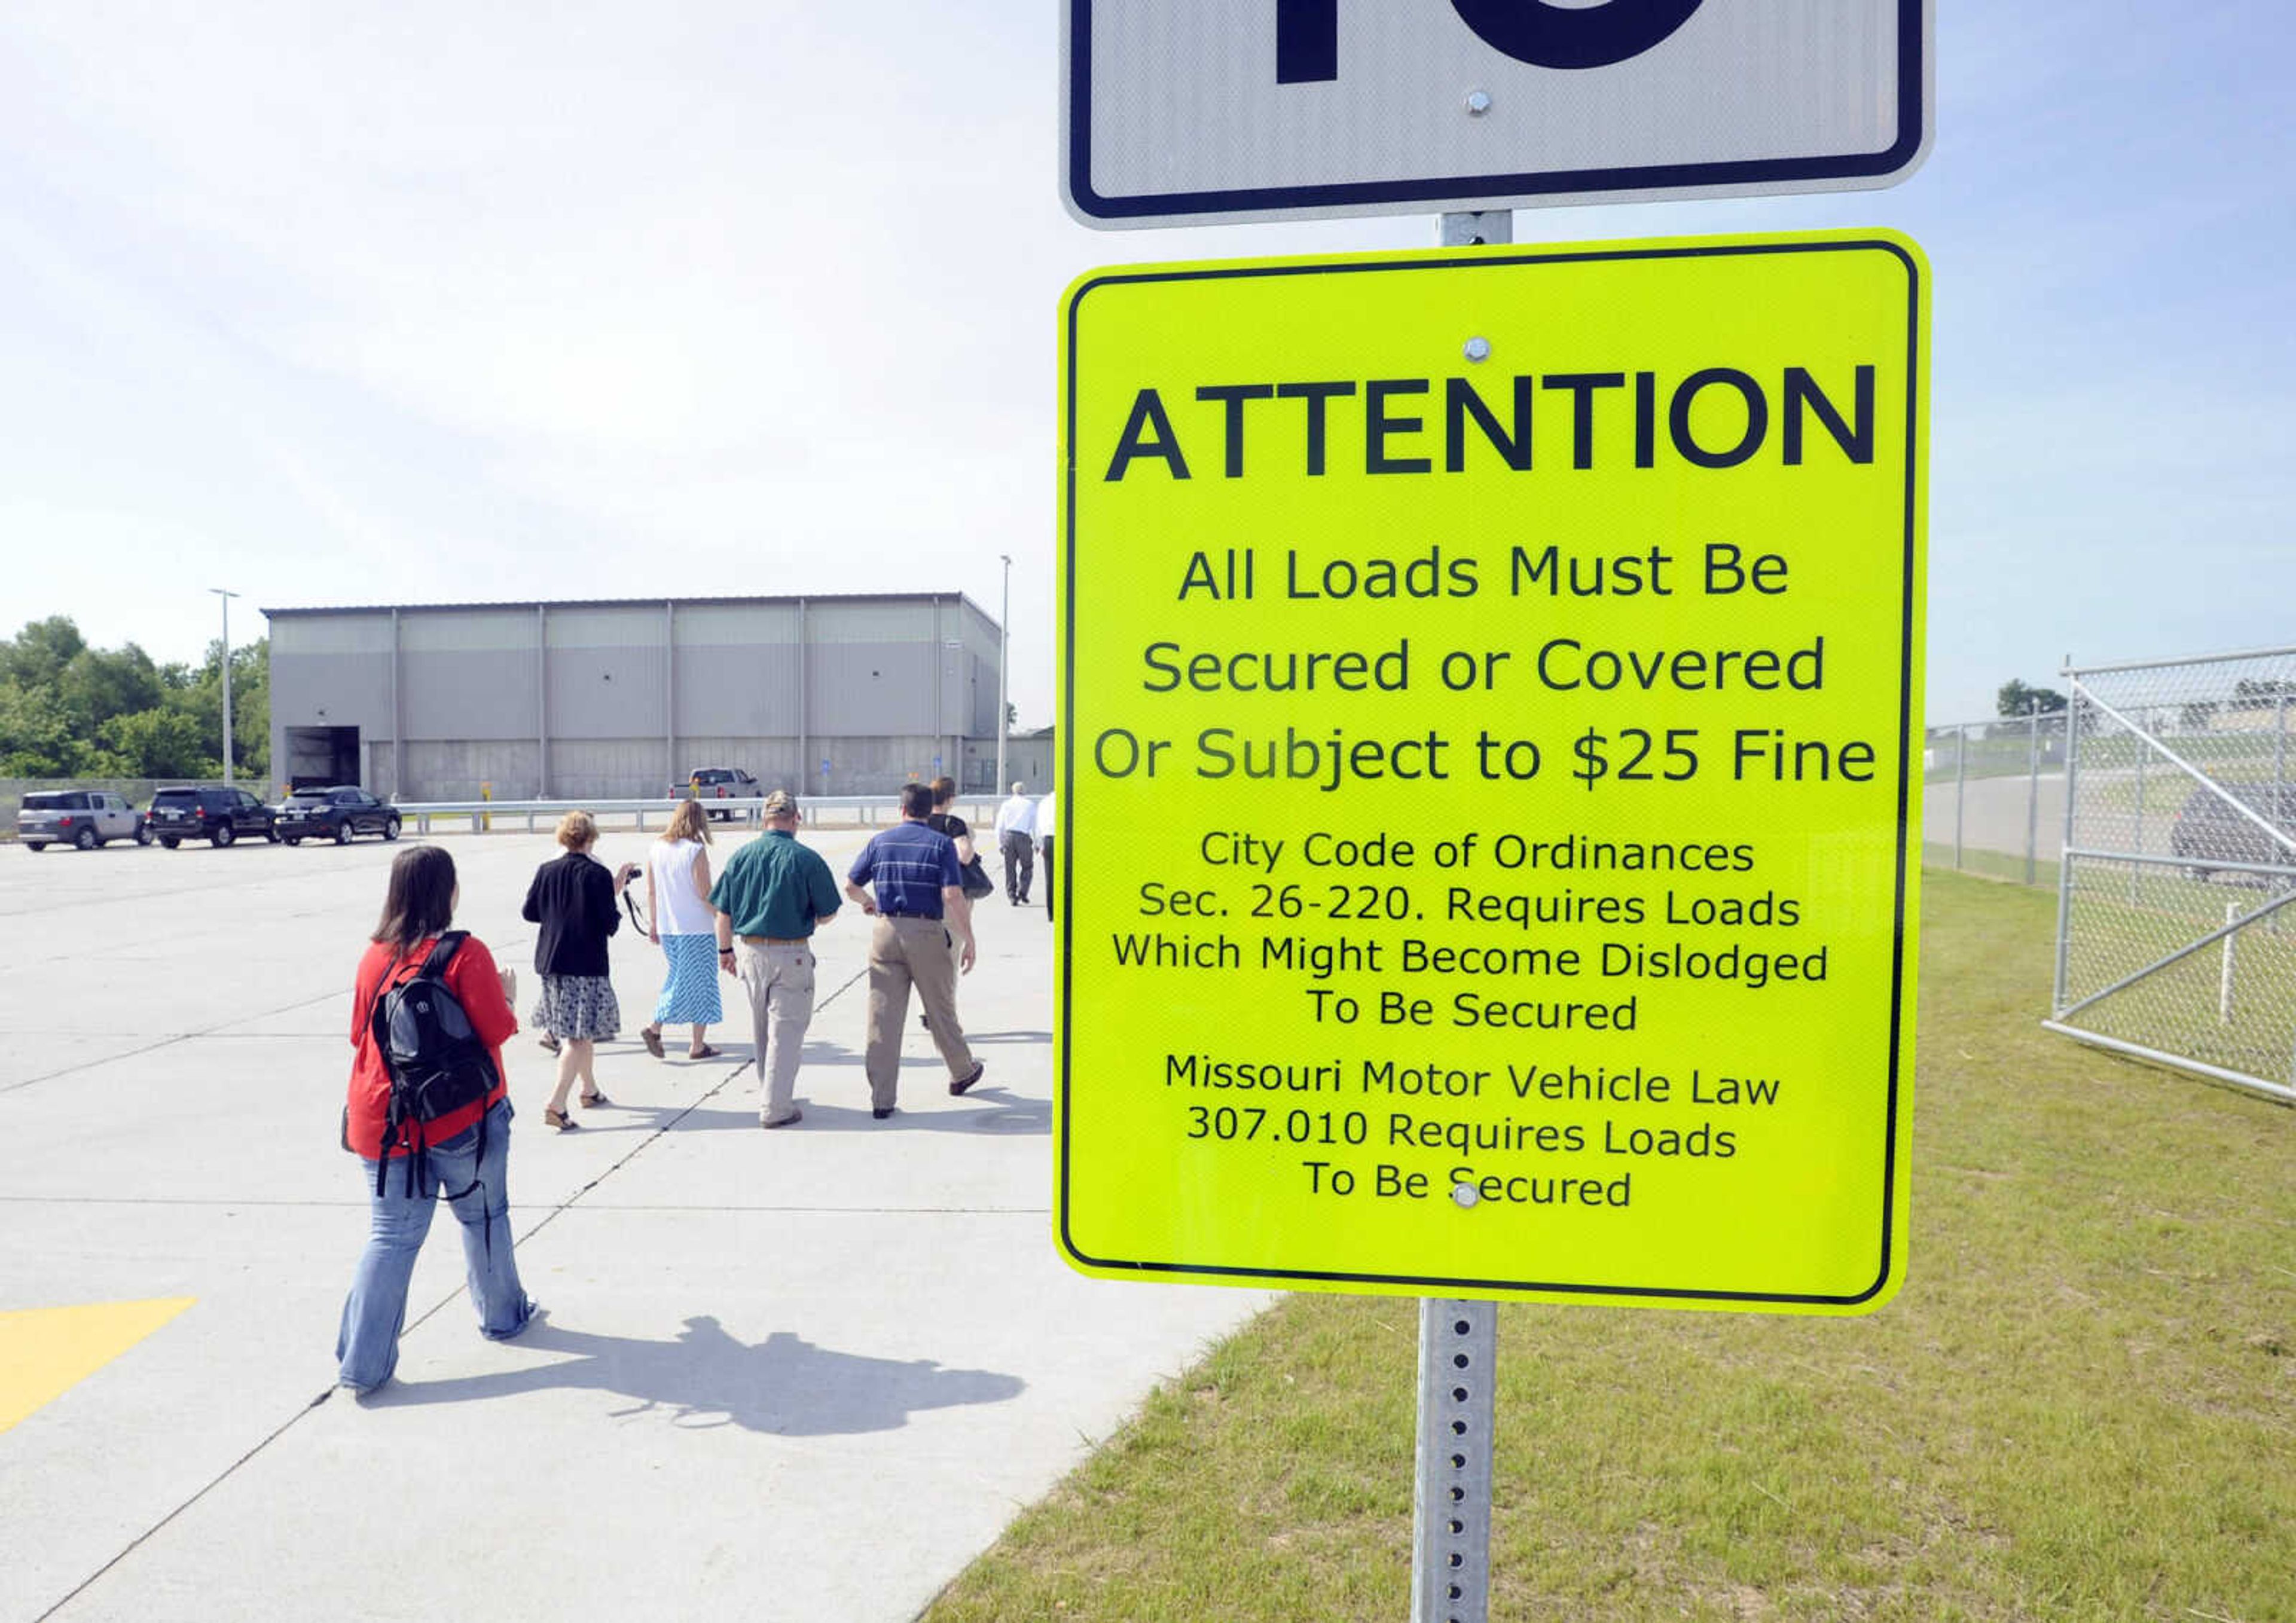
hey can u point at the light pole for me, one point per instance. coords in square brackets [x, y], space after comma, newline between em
[227, 597]
[1004, 664]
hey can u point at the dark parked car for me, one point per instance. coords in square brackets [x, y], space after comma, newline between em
[2211, 829]
[81, 817]
[333, 813]
[217, 814]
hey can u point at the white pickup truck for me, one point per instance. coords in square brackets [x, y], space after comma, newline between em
[718, 783]
[81, 817]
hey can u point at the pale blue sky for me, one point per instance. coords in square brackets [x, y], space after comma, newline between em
[440, 302]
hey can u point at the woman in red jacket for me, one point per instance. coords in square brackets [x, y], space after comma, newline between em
[463, 1155]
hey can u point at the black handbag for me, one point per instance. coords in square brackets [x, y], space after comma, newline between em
[977, 882]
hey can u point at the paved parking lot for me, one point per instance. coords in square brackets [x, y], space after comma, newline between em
[804, 1375]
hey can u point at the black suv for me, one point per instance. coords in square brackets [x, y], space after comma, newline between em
[332, 813]
[217, 814]
[2211, 829]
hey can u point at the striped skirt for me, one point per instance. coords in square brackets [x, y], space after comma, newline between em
[689, 991]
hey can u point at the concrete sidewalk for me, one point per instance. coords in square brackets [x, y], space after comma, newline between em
[805, 1375]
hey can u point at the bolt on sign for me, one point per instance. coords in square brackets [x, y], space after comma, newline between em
[1488, 754]
[1204, 111]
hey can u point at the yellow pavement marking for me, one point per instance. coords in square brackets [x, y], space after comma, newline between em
[46, 1351]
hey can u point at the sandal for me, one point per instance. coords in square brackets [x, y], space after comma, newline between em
[559, 1119]
[704, 1053]
[594, 1100]
[652, 1038]
[549, 1043]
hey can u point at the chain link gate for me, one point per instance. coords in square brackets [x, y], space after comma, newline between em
[2176, 939]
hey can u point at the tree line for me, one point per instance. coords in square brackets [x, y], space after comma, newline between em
[67, 710]
[2015, 700]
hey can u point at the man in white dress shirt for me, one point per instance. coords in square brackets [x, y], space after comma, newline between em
[1016, 838]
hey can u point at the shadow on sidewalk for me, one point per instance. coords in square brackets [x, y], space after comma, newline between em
[1037, 1038]
[783, 1385]
[987, 1109]
[994, 1109]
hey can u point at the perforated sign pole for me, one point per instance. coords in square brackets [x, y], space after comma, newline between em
[1459, 1353]
[1451, 1496]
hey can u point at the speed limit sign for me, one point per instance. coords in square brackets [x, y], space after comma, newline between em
[1194, 112]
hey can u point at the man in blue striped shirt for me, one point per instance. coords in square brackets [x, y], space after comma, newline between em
[920, 912]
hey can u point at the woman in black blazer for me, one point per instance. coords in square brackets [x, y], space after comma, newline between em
[572, 899]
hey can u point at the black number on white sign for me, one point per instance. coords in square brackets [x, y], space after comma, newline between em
[1534, 32]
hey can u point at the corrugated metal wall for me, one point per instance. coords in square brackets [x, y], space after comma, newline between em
[620, 701]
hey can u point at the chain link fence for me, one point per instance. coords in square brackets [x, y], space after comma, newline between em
[1994, 796]
[2175, 941]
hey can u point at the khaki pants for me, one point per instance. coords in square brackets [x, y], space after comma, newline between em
[779, 980]
[903, 953]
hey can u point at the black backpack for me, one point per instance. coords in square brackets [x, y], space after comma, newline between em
[436, 1062]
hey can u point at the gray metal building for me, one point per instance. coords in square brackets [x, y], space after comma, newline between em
[617, 699]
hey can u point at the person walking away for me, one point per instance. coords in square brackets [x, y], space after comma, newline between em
[943, 820]
[920, 908]
[572, 899]
[681, 922]
[462, 1155]
[1048, 822]
[1016, 841]
[766, 905]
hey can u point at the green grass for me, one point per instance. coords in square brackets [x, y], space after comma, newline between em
[2082, 1405]
[1991, 864]
[2162, 791]
[2255, 748]
[2251, 753]
[2123, 921]
[2010, 755]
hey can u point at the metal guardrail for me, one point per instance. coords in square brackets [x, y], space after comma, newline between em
[864, 811]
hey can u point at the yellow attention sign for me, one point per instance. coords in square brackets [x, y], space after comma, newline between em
[1487, 770]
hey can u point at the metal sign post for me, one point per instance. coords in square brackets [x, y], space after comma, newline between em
[1451, 1492]
[1458, 1350]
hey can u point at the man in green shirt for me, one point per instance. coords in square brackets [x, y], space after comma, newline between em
[773, 893]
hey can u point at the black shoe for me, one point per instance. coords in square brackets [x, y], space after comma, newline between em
[880, 1112]
[978, 1066]
[925, 1020]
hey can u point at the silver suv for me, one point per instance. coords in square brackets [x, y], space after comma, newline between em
[84, 818]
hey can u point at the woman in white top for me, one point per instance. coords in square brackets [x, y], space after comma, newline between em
[679, 918]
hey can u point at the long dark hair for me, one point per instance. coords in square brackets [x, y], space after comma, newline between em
[420, 900]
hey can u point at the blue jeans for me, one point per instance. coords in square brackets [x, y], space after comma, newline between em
[477, 1189]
